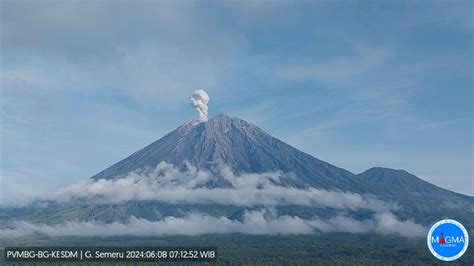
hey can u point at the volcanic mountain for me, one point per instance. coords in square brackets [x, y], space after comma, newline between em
[246, 150]
[240, 145]
[391, 181]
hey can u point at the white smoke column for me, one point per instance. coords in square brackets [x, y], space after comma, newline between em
[199, 100]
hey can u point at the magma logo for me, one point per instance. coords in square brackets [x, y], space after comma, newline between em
[448, 240]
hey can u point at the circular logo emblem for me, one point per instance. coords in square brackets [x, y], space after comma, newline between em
[448, 240]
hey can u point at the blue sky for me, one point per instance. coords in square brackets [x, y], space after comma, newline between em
[355, 83]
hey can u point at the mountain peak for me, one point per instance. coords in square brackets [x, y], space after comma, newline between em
[223, 119]
[219, 120]
[220, 116]
[389, 180]
[222, 124]
[379, 169]
[240, 145]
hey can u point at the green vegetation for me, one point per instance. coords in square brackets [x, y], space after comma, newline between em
[238, 249]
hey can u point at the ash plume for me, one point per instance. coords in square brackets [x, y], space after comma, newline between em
[199, 100]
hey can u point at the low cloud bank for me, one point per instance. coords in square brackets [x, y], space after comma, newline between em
[264, 222]
[167, 183]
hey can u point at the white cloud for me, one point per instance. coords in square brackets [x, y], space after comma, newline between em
[264, 222]
[383, 223]
[167, 183]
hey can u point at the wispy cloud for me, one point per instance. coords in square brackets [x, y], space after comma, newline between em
[264, 222]
[340, 71]
[167, 183]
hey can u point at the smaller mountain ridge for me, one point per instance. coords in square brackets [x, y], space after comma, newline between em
[392, 181]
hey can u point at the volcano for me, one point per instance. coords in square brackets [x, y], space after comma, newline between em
[242, 146]
[245, 150]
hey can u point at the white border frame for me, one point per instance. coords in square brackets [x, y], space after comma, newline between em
[466, 239]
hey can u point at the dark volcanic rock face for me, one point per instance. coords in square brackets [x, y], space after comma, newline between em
[392, 181]
[240, 145]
